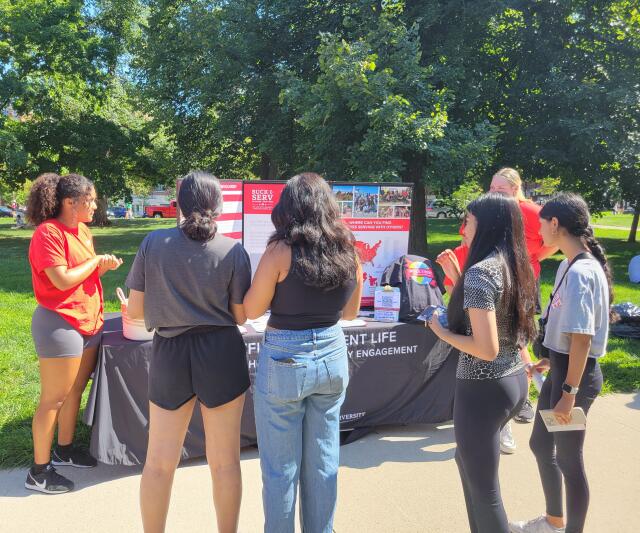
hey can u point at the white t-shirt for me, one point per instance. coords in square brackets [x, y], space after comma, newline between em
[581, 305]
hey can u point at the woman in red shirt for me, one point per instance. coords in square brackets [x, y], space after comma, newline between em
[67, 323]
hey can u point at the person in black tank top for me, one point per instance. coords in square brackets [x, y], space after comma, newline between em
[310, 277]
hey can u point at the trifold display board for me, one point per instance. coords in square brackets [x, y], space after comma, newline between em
[377, 213]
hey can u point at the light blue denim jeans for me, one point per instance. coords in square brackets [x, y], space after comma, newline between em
[300, 385]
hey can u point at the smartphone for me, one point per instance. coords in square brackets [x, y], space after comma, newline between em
[442, 314]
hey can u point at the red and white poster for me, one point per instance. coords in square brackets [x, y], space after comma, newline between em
[378, 215]
[260, 197]
[230, 221]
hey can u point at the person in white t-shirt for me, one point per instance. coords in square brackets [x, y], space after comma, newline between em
[576, 335]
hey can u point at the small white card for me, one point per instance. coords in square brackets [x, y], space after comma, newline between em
[578, 420]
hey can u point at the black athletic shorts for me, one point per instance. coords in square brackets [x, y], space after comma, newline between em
[208, 362]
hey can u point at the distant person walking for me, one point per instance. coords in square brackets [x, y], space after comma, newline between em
[67, 323]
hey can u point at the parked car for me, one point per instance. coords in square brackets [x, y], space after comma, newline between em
[117, 211]
[161, 211]
[19, 215]
[439, 209]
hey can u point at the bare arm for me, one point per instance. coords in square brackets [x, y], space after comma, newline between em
[237, 310]
[263, 287]
[578, 353]
[64, 278]
[135, 306]
[350, 310]
[483, 341]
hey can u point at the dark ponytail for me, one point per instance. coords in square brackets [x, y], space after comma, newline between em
[200, 200]
[48, 192]
[573, 215]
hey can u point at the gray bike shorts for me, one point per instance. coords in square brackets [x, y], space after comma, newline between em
[55, 337]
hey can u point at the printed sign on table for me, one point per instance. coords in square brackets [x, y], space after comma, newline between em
[378, 215]
[260, 197]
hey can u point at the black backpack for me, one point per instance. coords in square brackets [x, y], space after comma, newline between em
[419, 284]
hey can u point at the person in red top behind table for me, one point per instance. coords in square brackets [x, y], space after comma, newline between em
[507, 181]
[67, 323]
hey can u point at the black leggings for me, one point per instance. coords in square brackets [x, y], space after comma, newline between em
[559, 455]
[482, 407]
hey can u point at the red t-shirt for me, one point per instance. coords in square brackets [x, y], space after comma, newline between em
[531, 221]
[54, 244]
[461, 253]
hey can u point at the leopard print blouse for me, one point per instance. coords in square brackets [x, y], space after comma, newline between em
[483, 289]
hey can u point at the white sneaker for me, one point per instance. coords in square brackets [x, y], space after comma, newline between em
[537, 525]
[507, 442]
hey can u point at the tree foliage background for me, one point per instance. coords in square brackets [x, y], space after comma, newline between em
[432, 92]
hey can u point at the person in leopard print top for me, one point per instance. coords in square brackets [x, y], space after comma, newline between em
[490, 318]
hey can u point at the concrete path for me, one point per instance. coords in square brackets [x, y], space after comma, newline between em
[399, 479]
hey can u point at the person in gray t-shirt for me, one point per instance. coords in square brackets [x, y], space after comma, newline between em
[576, 336]
[189, 283]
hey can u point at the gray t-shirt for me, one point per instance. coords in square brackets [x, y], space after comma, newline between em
[581, 305]
[187, 283]
[483, 289]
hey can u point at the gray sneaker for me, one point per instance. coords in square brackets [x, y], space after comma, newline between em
[507, 442]
[537, 525]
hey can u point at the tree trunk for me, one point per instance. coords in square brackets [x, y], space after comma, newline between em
[418, 224]
[100, 215]
[268, 168]
[634, 224]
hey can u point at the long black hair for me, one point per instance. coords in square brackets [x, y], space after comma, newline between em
[200, 200]
[500, 231]
[573, 215]
[307, 218]
[48, 192]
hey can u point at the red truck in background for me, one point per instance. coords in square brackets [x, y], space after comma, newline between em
[161, 211]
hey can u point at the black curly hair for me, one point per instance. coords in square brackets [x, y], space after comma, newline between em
[48, 192]
[307, 218]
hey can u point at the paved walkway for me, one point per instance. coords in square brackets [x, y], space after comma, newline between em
[399, 479]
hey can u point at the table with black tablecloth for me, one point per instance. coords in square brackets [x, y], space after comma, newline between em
[399, 374]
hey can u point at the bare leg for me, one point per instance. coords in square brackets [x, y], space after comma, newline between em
[222, 430]
[167, 430]
[69, 411]
[57, 375]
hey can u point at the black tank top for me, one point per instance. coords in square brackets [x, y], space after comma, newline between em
[298, 306]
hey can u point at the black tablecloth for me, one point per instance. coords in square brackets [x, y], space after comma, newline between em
[399, 374]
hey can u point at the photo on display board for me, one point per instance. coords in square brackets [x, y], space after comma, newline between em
[386, 211]
[346, 209]
[343, 193]
[395, 196]
[365, 201]
[402, 211]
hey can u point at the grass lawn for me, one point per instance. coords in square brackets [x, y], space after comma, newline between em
[607, 219]
[19, 387]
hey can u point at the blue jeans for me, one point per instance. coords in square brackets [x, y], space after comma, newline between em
[300, 385]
